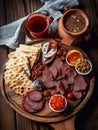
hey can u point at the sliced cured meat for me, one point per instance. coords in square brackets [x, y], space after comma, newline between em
[79, 84]
[71, 73]
[65, 67]
[77, 94]
[35, 96]
[34, 105]
[27, 100]
[65, 84]
[37, 105]
[60, 88]
[56, 67]
[67, 87]
[59, 77]
[27, 107]
[57, 64]
[48, 80]
[50, 84]
[53, 71]
[62, 72]
[48, 76]
[63, 78]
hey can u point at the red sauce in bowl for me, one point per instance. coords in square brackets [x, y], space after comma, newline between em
[72, 56]
[58, 103]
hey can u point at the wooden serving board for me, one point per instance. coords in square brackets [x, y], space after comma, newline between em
[47, 115]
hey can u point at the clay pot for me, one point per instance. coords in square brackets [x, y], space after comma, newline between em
[72, 26]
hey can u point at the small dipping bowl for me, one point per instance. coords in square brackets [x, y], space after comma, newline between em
[83, 66]
[58, 103]
[72, 56]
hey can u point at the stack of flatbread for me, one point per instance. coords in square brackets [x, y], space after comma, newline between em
[18, 66]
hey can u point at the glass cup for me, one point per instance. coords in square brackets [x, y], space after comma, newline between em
[38, 25]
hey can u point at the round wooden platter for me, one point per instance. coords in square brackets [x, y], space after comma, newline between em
[47, 115]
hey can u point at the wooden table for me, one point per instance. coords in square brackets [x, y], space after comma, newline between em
[87, 118]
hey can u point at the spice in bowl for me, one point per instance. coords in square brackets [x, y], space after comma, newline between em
[75, 22]
[57, 103]
[72, 56]
[83, 66]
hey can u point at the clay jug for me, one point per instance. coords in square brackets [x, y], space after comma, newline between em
[72, 26]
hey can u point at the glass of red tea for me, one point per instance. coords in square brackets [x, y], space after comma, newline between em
[38, 25]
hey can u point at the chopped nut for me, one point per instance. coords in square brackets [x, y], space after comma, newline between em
[59, 52]
[47, 93]
[83, 66]
[62, 58]
[53, 92]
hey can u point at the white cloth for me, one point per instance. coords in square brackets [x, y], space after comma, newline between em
[13, 34]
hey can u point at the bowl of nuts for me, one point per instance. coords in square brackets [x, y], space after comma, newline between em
[83, 66]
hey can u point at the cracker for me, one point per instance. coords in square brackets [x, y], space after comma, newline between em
[31, 56]
[17, 62]
[11, 73]
[32, 48]
[17, 68]
[16, 55]
[21, 84]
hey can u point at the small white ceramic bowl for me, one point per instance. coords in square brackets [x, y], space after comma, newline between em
[72, 56]
[58, 103]
[83, 69]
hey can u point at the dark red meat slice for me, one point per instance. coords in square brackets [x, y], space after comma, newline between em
[67, 87]
[37, 105]
[60, 88]
[50, 84]
[62, 72]
[48, 76]
[27, 100]
[61, 76]
[70, 75]
[57, 63]
[79, 84]
[48, 80]
[56, 67]
[53, 71]
[65, 67]
[34, 105]
[35, 96]
[71, 72]
[77, 94]
[65, 84]
[27, 107]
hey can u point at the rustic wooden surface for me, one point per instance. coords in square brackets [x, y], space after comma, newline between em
[87, 118]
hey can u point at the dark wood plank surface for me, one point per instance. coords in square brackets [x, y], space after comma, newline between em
[87, 118]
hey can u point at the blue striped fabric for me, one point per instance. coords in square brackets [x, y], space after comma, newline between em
[13, 34]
